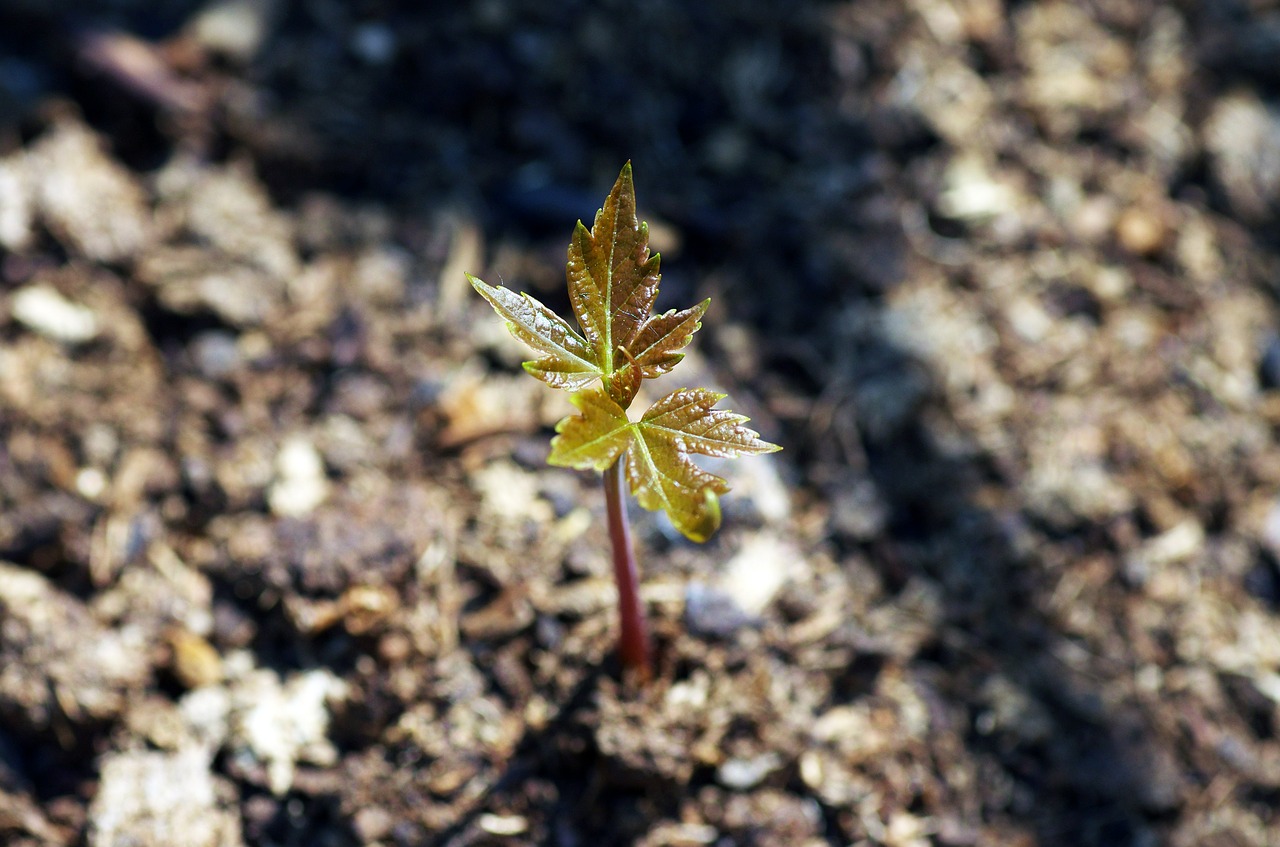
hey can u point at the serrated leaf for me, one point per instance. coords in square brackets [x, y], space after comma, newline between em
[687, 419]
[613, 280]
[593, 439]
[613, 283]
[655, 346]
[662, 476]
[569, 361]
[659, 469]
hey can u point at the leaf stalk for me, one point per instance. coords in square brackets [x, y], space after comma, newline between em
[633, 640]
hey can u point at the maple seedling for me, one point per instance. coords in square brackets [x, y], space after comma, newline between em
[613, 283]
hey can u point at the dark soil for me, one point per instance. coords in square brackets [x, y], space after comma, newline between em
[281, 562]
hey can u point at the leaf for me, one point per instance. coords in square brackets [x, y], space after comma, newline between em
[593, 439]
[660, 472]
[654, 348]
[569, 361]
[686, 418]
[613, 281]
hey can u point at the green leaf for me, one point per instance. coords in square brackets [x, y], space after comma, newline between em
[686, 418]
[660, 472]
[568, 362]
[593, 439]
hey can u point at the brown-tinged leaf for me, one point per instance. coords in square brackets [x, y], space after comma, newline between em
[687, 419]
[660, 472]
[613, 280]
[655, 346]
[613, 283]
[569, 361]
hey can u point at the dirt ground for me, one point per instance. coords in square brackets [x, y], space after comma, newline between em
[281, 562]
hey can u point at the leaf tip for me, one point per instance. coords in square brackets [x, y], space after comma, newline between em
[702, 525]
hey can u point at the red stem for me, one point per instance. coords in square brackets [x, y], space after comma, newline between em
[633, 640]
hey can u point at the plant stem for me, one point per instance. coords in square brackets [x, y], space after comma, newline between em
[633, 640]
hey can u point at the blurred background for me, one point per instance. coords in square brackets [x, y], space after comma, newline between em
[1000, 276]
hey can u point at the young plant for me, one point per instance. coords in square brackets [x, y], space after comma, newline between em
[613, 283]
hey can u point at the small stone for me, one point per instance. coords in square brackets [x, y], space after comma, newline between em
[709, 612]
[1140, 231]
[743, 774]
[194, 660]
[372, 823]
[215, 354]
[92, 204]
[16, 205]
[281, 724]
[59, 663]
[503, 824]
[757, 573]
[44, 310]
[234, 28]
[374, 43]
[148, 799]
[91, 483]
[1242, 136]
[300, 484]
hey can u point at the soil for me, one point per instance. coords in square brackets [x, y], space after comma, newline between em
[281, 562]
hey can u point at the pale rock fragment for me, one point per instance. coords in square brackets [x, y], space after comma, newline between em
[300, 484]
[281, 723]
[235, 29]
[757, 573]
[56, 660]
[157, 799]
[1242, 137]
[90, 202]
[17, 206]
[42, 309]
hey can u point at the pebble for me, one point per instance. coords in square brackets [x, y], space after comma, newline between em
[280, 724]
[1139, 231]
[300, 484]
[215, 353]
[374, 43]
[502, 825]
[1242, 137]
[145, 799]
[234, 28]
[194, 660]
[709, 612]
[16, 206]
[742, 774]
[44, 310]
[757, 573]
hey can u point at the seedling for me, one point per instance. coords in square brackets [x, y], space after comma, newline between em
[613, 283]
